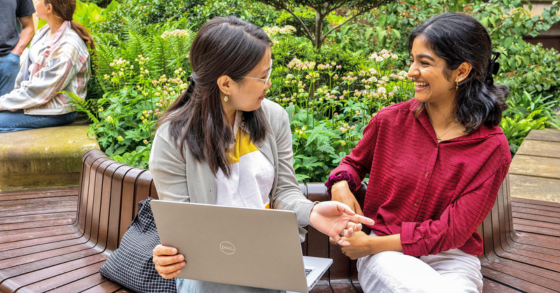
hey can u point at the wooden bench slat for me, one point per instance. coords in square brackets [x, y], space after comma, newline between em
[104, 287]
[37, 224]
[31, 267]
[81, 284]
[536, 223]
[536, 249]
[32, 194]
[37, 218]
[33, 242]
[535, 202]
[548, 208]
[537, 240]
[525, 272]
[31, 258]
[63, 279]
[38, 206]
[24, 234]
[537, 230]
[513, 281]
[546, 217]
[490, 286]
[49, 272]
[40, 248]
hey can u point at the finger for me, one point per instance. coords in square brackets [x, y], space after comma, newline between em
[357, 227]
[345, 209]
[164, 250]
[170, 276]
[171, 268]
[362, 219]
[349, 233]
[331, 241]
[343, 242]
[168, 260]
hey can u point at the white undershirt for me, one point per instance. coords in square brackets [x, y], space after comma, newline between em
[252, 174]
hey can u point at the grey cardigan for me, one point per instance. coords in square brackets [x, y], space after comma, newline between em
[179, 177]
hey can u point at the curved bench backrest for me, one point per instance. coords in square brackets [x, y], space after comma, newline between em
[110, 192]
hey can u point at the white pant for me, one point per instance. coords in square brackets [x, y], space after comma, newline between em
[446, 272]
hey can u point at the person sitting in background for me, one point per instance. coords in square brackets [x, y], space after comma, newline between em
[58, 60]
[12, 43]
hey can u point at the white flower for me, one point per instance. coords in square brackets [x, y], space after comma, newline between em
[379, 59]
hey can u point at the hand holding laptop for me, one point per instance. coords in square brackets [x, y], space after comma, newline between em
[333, 218]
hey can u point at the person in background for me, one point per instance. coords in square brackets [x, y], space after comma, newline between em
[57, 60]
[12, 43]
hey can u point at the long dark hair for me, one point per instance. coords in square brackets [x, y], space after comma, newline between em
[459, 38]
[65, 10]
[223, 46]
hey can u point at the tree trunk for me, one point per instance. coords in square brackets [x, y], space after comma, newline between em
[318, 30]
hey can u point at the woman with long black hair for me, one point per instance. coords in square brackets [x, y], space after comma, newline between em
[435, 166]
[223, 143]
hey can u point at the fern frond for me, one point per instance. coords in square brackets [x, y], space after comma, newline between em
[80, 104]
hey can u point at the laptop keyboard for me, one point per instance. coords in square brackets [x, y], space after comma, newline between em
[307, 272]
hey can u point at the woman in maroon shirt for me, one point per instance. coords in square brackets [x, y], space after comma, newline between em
[435, 165]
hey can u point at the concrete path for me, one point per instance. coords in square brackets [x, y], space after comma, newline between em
[535, 170]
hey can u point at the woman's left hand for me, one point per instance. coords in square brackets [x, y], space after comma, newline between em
[360, 246]
[333, 218]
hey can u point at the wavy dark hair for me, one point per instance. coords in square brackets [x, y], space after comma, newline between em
[458, 38]
[223, 46]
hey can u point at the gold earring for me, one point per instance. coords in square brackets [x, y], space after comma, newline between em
[457, 86]
[226, 99]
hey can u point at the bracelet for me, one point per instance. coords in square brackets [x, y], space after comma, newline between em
[342, 176]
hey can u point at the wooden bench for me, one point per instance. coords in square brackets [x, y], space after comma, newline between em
[56, 240]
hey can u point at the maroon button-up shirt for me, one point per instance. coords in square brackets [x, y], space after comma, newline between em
[434, 195]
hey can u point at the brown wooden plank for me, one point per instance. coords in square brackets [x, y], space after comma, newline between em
[33, 242]
[537, 188]
[63, 279]
[21, 251]
[41, 264]
[537, 262]
[536, 249]
[544, 135]
[535, 166]
[106, 204]
[37, 224]
[547, 208]
[529, 273]
[81, 284]
[104, 287]
[15, 283]
[142, 191]
[537, 230]
[490, 286]
[127, 200]
[30, 258]
[51, 192]
[539, 224]
[535, 202]
[92, 222]
[115, 207]
[342, 286]
[539, 148]
[38, 206]
[532, 214]
[537, 240]
[24, 234]
[36, 218]
[522, 285]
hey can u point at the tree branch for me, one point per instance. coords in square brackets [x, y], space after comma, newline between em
[309, 35]
[334, 28]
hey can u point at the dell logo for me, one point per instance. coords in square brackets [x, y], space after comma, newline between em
[227, 247]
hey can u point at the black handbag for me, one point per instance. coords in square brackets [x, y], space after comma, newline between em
[131, 264]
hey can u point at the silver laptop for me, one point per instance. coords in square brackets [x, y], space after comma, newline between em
[240, 246]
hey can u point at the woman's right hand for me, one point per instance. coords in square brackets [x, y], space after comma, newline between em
[168, 263]
[341, 192]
